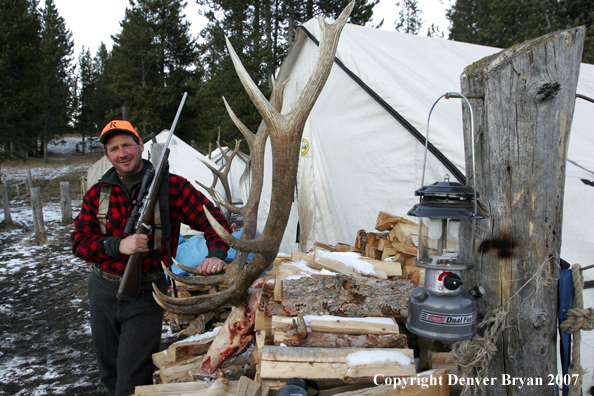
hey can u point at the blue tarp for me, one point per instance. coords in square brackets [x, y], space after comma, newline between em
[191, 252]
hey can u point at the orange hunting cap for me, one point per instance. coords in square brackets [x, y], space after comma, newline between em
[117, 126]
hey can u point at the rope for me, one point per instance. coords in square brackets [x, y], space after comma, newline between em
[578, 319]
[472, 356]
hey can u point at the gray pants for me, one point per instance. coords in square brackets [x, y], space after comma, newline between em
[125, 334]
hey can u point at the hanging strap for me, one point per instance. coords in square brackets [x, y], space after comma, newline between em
[158, 236]
[104, 198]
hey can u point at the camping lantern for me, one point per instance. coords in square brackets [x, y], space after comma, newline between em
[440, 309]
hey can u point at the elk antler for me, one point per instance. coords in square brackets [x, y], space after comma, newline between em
[221, 174]
[285, 132]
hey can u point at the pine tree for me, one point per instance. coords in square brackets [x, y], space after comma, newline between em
[56, 75]
[501, 23]
[574, 13]
[435, 32]
[409, 17]
[103, 103]
[20, 27]
[87, 86]
[151, 63]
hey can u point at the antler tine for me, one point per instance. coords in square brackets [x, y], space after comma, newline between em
[209, 166]
[266, 110]
[199, 280]
[321, 71]
[214, 301]
[252, 246]
[245, 131]
[210, 190]
[180, 301]
[227, 205]
[278, 91]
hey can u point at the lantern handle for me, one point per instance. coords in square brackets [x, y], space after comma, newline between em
[448, 95]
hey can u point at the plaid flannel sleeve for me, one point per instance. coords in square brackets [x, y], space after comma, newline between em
[189, 206]
[87, 241]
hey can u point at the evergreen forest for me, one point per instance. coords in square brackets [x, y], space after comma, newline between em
[46, 93]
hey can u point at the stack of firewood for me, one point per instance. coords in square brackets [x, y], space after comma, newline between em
[333, 315]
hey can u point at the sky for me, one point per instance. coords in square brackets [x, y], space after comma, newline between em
[94, 21]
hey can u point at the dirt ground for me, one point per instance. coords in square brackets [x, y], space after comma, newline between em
[46, 346]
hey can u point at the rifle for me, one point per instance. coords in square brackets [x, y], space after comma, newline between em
[143, 210]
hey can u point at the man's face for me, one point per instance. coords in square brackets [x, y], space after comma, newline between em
[124, 154]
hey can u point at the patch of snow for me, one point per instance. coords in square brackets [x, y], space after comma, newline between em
[294, 277]
[303, 265]
[373, 357]
[351, 259]
[198, 337]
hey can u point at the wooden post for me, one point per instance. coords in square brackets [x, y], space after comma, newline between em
[65, 202]
[6, 202]
[40, 237]
[522, 135]
[29, 181]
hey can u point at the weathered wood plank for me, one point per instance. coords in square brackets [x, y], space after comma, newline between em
[329, 364]
[341, 325]
[343, 295]
[334, 340]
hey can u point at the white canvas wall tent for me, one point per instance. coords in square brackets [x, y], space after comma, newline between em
[363, 142]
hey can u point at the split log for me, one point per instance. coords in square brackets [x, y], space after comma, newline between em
[406, 249]
[346, 263]
[344, 295]
[524, 122]
[248, 387]
[343, 247]
[391, 268]
[373, 252]
[385, 221]
[415, 274]
[402, 231]
[333, 364]
[333, 340]
[300, 256]
[361, 239]
[428, 383]
[184, 350]
[341, 325]
[275, 308]
[198, 325]
[325, 246]
[183, 387]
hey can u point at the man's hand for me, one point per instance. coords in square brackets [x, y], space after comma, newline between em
[211, 265]
[135, 243]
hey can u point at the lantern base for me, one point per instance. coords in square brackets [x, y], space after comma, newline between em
[441, 317]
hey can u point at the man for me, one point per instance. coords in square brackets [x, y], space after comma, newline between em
[126, 334]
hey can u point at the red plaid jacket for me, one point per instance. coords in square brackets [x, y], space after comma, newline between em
[185, 206]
